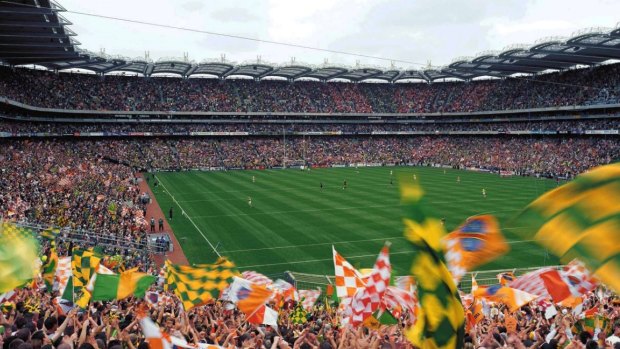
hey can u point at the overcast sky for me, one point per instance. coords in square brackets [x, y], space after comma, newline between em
[411, 30]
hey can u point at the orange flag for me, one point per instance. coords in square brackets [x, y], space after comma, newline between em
[513, 298]
[248, 296]
[476, 242]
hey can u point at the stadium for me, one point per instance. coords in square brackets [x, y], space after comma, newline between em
[160, 168]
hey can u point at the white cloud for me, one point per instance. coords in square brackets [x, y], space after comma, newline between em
[192, 5]
[414, 31]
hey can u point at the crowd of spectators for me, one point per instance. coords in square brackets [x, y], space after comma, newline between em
[89, 188]
[67, 185]
[573, 126]
[89, 185]
[33, 321]
[596, 85]
[80, 162]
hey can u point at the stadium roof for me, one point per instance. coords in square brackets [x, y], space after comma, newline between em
[34, 32]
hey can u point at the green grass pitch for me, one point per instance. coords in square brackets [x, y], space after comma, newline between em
[293, 223]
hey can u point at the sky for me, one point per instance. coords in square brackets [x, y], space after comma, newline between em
[414, 31]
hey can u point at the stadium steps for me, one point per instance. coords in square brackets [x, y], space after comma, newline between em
[175, 153]
[219, 153]
[449, 98]
[439, 99]
[143, 155]
[258, 155]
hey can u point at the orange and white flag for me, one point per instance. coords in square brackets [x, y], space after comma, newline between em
[348, 279]
[248, 296]
[159, 339]
[512, 297]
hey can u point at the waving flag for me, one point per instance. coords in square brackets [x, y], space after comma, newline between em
[256, 278]
[581, 219]
[63, 273]
[406, 282]
[50, 233]
[159, 339]
[368, 299]
[532, 283]
[396, 298]
[285, 290]
[84, 264]
[18, 254]
[440, 320]
[309, 297]
[248, 296]
[264, 316]
[299, 316]
[198, 284]
[513, 298]
[348, 279]
[155, 337]
[474, 243]
[49, 269]
[573, 281]
[580, 279]
[591, 323]
[474, 284]
[474, 313]
[85, 293]
[115, 286]
[505, 278]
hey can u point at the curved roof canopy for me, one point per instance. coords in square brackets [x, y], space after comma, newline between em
[34, 32]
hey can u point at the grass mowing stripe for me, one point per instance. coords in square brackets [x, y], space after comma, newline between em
[247, 228]
[304, 199]
[297, 211]
[189, 218]
[293, 222]
[295, 201]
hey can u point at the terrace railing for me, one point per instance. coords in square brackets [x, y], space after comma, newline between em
[93, 238]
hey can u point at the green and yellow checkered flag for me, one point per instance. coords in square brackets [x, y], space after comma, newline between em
[50, 233]
[581, 219]
[196, 285]
[19, 254]
[49, 269]
[440, 322]
[299, 316]
[84, 264]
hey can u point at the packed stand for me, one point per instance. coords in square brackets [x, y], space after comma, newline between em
[70, 186]
[66, 182]
[596, 85]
